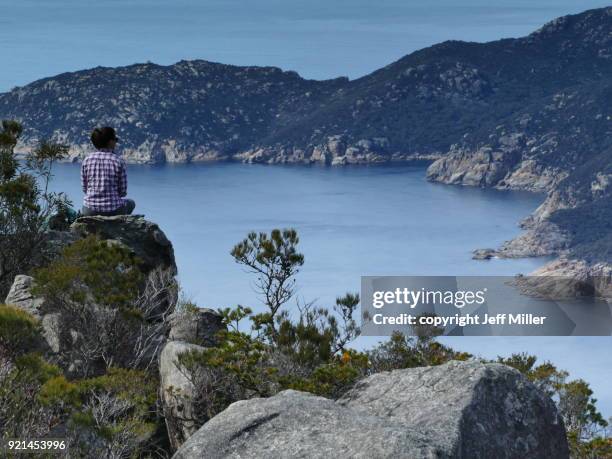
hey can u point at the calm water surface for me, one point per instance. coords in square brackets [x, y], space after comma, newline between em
[352, 221]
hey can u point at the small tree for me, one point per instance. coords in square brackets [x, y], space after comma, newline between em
[25, 203]
[275, 261]
[307, 352]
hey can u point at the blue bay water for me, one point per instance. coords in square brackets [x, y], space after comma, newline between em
[352, 221]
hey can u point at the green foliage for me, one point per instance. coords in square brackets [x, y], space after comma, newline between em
[19, 331]
[34, 367]
[402, 351]
[59, 391]
[25, 203]
[333, 378]
[118, 408]
[308, 351]
[584, 424]
[98, 291]
[275, 261]
[596, 448]
[546, 376]
[21, 412]
[91, 270]
[278, 352]
[109, 334]
[579, 409]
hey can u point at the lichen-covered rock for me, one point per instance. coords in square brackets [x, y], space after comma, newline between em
[295, 424]
[144, 238]
[177, 393]
[456, 410]
[468, 409]
[190, 330]
[198, 327]
[21, 296]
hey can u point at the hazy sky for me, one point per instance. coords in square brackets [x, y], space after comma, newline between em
[317, 38]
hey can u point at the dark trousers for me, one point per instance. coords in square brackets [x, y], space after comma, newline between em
[126, 209]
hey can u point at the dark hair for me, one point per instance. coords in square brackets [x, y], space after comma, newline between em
[101, 137]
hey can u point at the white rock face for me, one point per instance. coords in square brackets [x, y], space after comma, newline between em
[190, 330]
[21, 296]
[177, 393]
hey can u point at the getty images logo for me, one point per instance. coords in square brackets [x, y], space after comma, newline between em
[413, 298]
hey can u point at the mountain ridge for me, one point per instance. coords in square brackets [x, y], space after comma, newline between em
[422, 103]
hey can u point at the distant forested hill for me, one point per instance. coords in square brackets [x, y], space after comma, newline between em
[421, 104]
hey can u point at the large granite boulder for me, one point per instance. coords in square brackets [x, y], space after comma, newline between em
[177, 393]
[456, 410]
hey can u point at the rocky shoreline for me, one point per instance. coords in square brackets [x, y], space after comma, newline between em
[504, 167]
[337, 150]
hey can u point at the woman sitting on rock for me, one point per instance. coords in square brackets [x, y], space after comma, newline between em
[104, 178]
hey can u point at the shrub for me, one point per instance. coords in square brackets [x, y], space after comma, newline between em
[109, 313]
[113, 415]
[22, 414]
[25, 204]
[402, 351]
[19, 331]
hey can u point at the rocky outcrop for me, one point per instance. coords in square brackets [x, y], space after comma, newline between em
[144, 238]
[567, 278]
[336, 150]
[456, 410]
[504, 164]
[486, 167]
[177, 393]
[542, 239]
[191, 330]
[21, 296]
[197, 326]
